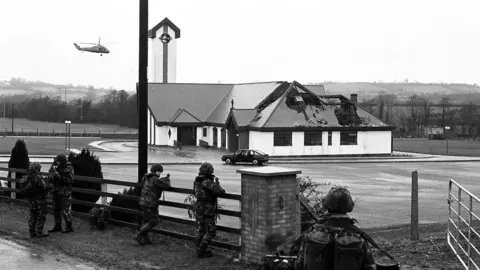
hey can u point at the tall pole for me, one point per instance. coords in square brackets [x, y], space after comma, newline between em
[13, 115]
[142, 90]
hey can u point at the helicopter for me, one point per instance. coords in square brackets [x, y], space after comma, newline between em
[98, 48]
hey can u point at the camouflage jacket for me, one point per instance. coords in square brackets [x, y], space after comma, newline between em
[62, 180]
[206, 192]
[34, 186]
[152, 187]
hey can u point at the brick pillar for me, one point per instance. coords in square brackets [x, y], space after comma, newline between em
[270, 208]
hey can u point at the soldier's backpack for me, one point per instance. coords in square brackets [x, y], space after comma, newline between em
[333, 248]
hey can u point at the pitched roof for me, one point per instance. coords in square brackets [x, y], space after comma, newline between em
[318, 89]
[199, 100]
[242, 117]
[314, 111]
[153, 32]
[183, 116]
[244, 96]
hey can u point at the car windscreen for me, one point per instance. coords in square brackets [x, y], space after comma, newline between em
[261, 153]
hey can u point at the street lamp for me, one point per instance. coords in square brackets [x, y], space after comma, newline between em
[447, 128]
[67, 134]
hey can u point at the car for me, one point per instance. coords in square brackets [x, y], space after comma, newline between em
[253, 156]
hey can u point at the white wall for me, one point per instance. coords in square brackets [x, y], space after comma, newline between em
[155, 63]
[368, 142]
[209, 137]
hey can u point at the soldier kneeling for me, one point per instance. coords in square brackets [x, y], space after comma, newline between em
[334, 242]
[35, 188]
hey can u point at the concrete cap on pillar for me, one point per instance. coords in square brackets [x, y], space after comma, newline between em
[269, 171]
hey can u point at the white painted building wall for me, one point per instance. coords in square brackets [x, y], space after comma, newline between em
[155, 61]
[368, 142]
[209, 137]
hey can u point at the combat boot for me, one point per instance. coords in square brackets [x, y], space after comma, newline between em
[69, 229]
[146, 239]
[198, 240]
[41, 234]
[202, 251]
[137, 237]
[57, 228]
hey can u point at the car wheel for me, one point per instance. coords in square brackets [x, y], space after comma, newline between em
[228, 161]
[255, 162]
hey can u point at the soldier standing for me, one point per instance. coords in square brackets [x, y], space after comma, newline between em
[62, 179]
[35, 188]
[206, 188]
[151, 189]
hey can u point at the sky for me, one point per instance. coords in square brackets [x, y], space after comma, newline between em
[246, 41]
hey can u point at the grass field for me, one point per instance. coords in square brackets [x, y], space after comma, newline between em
[28, 125]
[438, 147]
[44, 145]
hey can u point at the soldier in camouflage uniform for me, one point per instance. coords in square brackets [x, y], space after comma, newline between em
[62, 179]
[206, 188]
[35, 188]
[151, 190]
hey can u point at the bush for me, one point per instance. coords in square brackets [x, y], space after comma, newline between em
[85, 164]
[313, 195]
[125, 203]
[19, 160]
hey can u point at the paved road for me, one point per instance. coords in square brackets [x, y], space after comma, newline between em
[383, 189]
[13, 257]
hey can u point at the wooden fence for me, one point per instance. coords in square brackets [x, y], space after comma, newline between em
[103, 199]
[86, 133]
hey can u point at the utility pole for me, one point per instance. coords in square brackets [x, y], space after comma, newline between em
[142, 91]
[13, 115]
[4, 108]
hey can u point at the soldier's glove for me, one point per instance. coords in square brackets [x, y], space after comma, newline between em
[217, 180]
[168, 175]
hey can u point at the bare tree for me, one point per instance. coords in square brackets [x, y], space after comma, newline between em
[445, 103]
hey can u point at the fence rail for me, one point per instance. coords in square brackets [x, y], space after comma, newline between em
[85, 133]
[466, 257]
[104, 194]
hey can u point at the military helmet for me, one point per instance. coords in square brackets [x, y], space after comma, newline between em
[206, 168]
[34, 167]
[62, 159]
[156, 168]
[338, 200]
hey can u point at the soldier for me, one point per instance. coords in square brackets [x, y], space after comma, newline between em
[35, 188]
[151, 190]
[206, 188]
[62, 179]
[335, 233]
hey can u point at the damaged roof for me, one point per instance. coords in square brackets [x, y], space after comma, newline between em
[265, 105]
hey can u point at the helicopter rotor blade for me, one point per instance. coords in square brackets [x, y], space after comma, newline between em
[87, 43]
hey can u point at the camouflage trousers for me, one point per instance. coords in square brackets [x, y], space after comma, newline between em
[206, 227]
[61, 208]
[38, 215]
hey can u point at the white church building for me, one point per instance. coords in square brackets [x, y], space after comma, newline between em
[279, 118]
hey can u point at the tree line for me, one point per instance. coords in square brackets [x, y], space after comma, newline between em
[115, 108]
[413, 115]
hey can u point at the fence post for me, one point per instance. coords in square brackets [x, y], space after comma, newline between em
[103, 199]
[470, 210]
[13, 185]
[414, 210]
[270, 210]
[459, 209]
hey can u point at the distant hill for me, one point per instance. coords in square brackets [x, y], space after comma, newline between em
[367, 91]
[34, 89]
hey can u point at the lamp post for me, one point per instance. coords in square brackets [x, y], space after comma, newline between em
[67, 134]
[447, 128]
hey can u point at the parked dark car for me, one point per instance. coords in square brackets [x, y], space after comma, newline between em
[255, 157]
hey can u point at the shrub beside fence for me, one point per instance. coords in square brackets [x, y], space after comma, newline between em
[103, 200]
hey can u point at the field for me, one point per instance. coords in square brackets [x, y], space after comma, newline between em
[44, 145]
[28, 125]
[438, 147]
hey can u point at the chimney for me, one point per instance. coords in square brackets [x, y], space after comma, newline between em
[353, 98]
